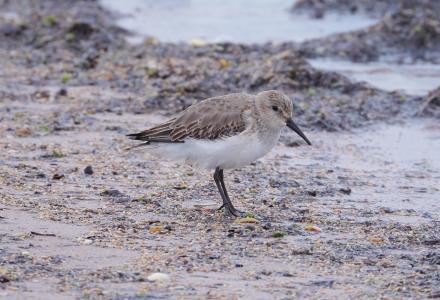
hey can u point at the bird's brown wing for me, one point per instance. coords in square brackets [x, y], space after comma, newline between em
[210, 119]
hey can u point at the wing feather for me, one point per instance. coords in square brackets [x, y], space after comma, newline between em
[213, 118]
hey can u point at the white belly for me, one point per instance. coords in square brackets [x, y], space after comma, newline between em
[231, 152]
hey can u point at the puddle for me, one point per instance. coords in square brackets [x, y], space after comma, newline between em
[45, 288]
[410, 146]
[399, 164]
[414, 79]
[87, 204]
[405, 162]
[17, 221]
[244, 21]
[74, 255]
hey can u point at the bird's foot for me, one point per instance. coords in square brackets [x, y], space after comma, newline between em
[232, 210]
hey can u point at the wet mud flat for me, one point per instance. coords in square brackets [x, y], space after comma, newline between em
[323, 227]
[356, 215]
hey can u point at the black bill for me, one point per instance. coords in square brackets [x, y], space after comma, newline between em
[295, 128]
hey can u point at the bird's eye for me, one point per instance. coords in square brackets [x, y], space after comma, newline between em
[275, 108]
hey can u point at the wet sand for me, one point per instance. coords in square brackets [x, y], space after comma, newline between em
[354, 216]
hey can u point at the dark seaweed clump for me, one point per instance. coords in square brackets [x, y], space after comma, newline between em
[411, 32]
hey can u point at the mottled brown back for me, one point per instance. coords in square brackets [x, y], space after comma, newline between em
[212, 118]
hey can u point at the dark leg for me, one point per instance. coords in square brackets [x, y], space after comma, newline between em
[222, 182]
[219, 187]
[219, 181]
[235, 211]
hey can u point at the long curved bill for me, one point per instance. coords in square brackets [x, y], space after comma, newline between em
[295, 128]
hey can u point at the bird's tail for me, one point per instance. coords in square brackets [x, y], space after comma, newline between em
[137, 146]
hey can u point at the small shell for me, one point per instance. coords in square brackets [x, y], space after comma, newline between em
[312, 228]
[155, 229]
[158, 277]
[246, 220]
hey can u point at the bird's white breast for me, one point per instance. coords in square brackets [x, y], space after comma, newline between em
[231, 152]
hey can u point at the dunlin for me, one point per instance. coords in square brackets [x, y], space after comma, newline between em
[224, 132]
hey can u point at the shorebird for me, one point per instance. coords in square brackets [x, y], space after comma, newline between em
[223, 132]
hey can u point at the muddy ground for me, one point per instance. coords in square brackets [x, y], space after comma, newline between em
[82, 217]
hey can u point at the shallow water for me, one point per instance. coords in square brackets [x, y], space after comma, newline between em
[414, 79]
[263, 21]
[398, 164]
[68, 237]
[242, 21]
[405, 162]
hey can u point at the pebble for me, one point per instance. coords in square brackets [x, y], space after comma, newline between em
[57, 176]
[158, 277]
[312, 228]
[346, 191]
[88, 170]
[246, 220]
[112, 193]
[197, 42]
[312, 193]
[23, 132]
[87, 242]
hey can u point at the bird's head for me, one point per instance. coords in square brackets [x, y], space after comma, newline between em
[276, 110]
